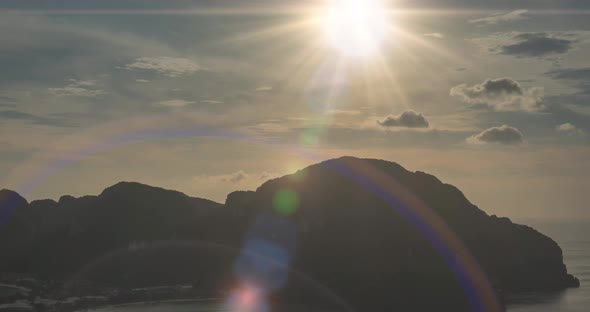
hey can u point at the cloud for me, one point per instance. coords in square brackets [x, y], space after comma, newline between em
[235, 177]
[570, 129]
[6, 101]
[239, 177]
[263, 89]
[347, 112]
[434, 35]
[578, 78]
[537, 45]
[18, 115]
[515, 15]
[229, 182]
[265, 175]
[499, 135]
[212, 102]
[407, 119]
[566, 127]
[168, 66]
[501, 94]
[176, 103]
[269, 127]
[582, 73]
[81, 88]
[548, 45]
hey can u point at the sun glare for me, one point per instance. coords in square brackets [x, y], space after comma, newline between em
[355, 27]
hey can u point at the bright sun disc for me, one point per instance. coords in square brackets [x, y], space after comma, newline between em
[355, 27]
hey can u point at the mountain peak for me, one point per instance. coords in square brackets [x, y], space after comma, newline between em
[363, 164]
[10, 200]
[133, 188]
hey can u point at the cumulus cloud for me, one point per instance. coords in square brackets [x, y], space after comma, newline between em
[168, 66]
[501, 94]
[434, 35]
[176, 103]
[515, 15]
[407, 119]
[499, 135]
[570, 129]
[82, 88]
[537, 45]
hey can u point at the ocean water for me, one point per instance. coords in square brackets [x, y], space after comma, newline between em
[574, 239]
[572, 236]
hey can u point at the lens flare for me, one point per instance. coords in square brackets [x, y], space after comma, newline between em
[286, 202]
[247, 297]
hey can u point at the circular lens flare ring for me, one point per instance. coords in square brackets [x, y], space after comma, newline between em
[355, 27]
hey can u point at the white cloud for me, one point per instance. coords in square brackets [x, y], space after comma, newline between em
[570, 129]
[83, 88]
[515, 15]
[505, 134]
[168, 66]
[501, 94]
[176, 103]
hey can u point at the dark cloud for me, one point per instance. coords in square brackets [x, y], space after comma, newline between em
[537, 45]
[17, 115]
[500, 135]
[577, 77]
[407, 119]
[501, 86]
[580, 74]
[502, 94]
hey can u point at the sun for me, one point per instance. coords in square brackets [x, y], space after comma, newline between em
[355, 28]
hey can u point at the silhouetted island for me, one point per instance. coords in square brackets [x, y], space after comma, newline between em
[357, 234]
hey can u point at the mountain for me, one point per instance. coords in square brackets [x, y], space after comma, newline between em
[368, 230]
[56, 238]
[359, 233]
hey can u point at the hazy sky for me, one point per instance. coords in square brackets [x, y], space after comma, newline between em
[208, 97]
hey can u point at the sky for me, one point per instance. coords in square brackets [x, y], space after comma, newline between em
[208, 97]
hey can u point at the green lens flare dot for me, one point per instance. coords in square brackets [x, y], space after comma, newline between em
[285, 202]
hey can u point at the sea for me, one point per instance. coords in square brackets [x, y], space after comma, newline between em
[572, 235]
